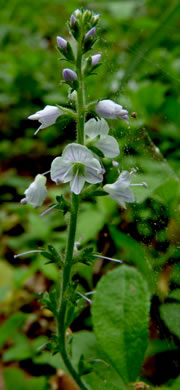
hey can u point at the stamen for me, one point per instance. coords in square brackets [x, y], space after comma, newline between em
[28, 252]
[84, 297]
[47, 210]
[109, 258]
[140, 185]
[133, 170]
[45, 173]
[90, 293]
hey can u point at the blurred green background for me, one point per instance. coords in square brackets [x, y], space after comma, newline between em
[140, 46]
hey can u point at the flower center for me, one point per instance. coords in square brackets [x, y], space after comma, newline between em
[79, 167]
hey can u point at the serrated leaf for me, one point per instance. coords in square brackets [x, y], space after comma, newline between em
[120, 317]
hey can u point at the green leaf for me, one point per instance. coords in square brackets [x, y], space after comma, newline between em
[134, 253]
[175, 294]
[95, 383]
[9, 327]
[170, 313]
[14, 379]
[120, 317]
[21, 349]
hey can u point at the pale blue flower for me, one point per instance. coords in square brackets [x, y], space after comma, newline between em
[96, 132]
[77, 166]
[46, 117]
[36, 192]
[111, 110]
[120, 190]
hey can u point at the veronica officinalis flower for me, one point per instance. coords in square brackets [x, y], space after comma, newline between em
[120, 190]
[96, 132]
[77, 166]
[111, 110]
[46, 117]
[36, 192]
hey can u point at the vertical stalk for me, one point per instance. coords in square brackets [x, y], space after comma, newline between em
[66, 272]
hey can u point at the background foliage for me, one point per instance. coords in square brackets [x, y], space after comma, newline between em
[140, 46]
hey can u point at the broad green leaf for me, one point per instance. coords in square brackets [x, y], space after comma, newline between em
[96, 215]
[14, 379]
[21, 349]
[120, 318]
[134, 253]
[10, 326]
[170, 313]
[95, 383]
[85, 343]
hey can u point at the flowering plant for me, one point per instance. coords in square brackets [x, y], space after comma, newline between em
[82, 163]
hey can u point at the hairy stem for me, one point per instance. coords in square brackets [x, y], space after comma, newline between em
[66, 273]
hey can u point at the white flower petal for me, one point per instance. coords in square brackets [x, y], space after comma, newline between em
[36, 192]
[77, 183]
[94, 127]
[108, 145]
[61, 171]
[76, 153]
[93, 172]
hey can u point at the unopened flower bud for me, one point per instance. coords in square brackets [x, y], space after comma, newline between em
[72, 20]
[115, 163]
[95, 18]
[73, 96]
[77, 12]
[69, 75]
[61, 42]
[95, 59]
[90, 33]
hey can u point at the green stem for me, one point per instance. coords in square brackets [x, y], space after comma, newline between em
[66, 272]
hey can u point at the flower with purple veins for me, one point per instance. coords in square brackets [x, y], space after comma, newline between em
[96, 132]
[77, 166]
